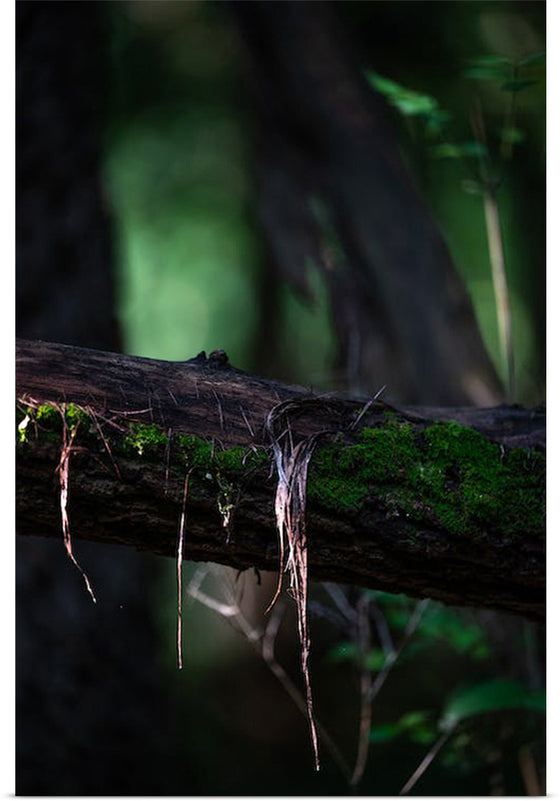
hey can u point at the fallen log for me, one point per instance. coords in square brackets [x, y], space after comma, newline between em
[443, 503]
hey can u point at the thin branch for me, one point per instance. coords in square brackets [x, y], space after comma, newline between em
[225, 610]
[427, 761]
[93, 415]
[341, 601]
[381, 627]
[277, 669]
[529, 771]
[501, 292]
[392, 658]
[497, 258]
[364, 644]
[263, 643]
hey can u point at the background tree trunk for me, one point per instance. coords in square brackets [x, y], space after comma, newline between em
[90, 697]
[333, 188]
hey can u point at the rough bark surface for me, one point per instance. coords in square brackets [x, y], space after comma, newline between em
[205, 398]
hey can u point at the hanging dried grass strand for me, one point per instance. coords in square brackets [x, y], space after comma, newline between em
[180, 547]
[64, 476]
[292, 464]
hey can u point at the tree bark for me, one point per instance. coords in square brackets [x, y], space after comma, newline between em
[130, 491]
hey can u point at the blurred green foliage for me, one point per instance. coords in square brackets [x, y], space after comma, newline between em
[178, 170]
[179, 177]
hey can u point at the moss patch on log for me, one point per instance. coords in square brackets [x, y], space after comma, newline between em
[215, 472]
[447, 474]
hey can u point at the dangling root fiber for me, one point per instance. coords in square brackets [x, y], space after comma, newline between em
[64, 474]
[180, 546]
[292, 463]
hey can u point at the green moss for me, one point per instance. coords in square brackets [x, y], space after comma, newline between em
[75, 416]
[145, 439]
[231, 460]
[47, 416]
[341, 477]
[492, 489]
[195, 451]
[448, 474]
[47, 421]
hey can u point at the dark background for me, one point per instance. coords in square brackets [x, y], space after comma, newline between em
[180, 187]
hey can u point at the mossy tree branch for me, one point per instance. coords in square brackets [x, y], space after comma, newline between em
[445, 503]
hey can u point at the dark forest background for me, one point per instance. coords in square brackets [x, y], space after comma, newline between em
[200, 175]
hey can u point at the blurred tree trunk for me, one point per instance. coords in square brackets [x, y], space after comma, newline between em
[90, 703]
[332, 188]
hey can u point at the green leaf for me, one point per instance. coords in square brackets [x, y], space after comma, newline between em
[468, 149]
[408, 102]
[513, 135]
[436, 120]
[412, 104]
[490, 696]
[383, 733]
[384, 85]
[516, 86]
[473, 149]
[346, 651]
[397, 618]
[481, 651]
[534, 58]
[412, 719]
[423, 735]
[375, 659]
[443, 623]
[419, 726]
[440, 115]
[446, 151]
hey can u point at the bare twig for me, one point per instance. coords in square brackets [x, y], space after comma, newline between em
[497, 259]
[341, 601]
[93, 415]
[225, 610]
[393, 656]
[263, 643]
[499, 279]
[427, 761]
[268, 655]
[367, 406]
[364, 644]
[381, 627]
[529, 771]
